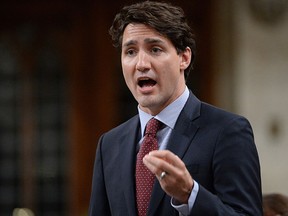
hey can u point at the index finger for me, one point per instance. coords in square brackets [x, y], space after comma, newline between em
[168, 156]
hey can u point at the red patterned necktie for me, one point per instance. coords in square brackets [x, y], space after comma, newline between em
[144, 178]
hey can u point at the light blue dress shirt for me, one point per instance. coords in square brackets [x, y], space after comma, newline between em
[168, 117]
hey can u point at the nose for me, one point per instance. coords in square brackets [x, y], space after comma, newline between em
[143, 63]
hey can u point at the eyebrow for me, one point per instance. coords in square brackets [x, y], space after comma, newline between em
[153, 41]
[147, 40]
[129, 43]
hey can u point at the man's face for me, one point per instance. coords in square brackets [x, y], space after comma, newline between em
[152, 69]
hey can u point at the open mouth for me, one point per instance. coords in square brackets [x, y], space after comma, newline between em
[146, 82]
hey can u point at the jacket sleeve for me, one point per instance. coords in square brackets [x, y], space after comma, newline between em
[98, 202]
[236, 175]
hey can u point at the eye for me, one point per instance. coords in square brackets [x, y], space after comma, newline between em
[156, 50]
[130, 52]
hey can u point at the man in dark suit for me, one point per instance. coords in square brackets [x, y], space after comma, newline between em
[206, 162]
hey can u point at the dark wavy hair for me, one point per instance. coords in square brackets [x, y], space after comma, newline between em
[170, 21]
[276, 203]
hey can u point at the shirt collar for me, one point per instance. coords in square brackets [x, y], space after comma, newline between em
[169, 115]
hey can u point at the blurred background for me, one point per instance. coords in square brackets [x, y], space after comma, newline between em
[61, 87]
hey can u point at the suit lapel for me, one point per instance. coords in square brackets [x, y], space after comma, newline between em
[185, 128]
[180, 139]
[182, 136]
[128, 155]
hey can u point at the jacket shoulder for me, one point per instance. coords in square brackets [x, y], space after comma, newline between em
[217, 114]
[130, 124]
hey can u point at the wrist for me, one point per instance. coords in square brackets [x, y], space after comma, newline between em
[187, 192]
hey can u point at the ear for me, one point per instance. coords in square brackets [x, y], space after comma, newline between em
[185, 59]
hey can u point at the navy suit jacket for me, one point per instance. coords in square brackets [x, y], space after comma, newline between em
[217, 148]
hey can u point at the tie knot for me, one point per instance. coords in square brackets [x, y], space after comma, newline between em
[152, 127]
